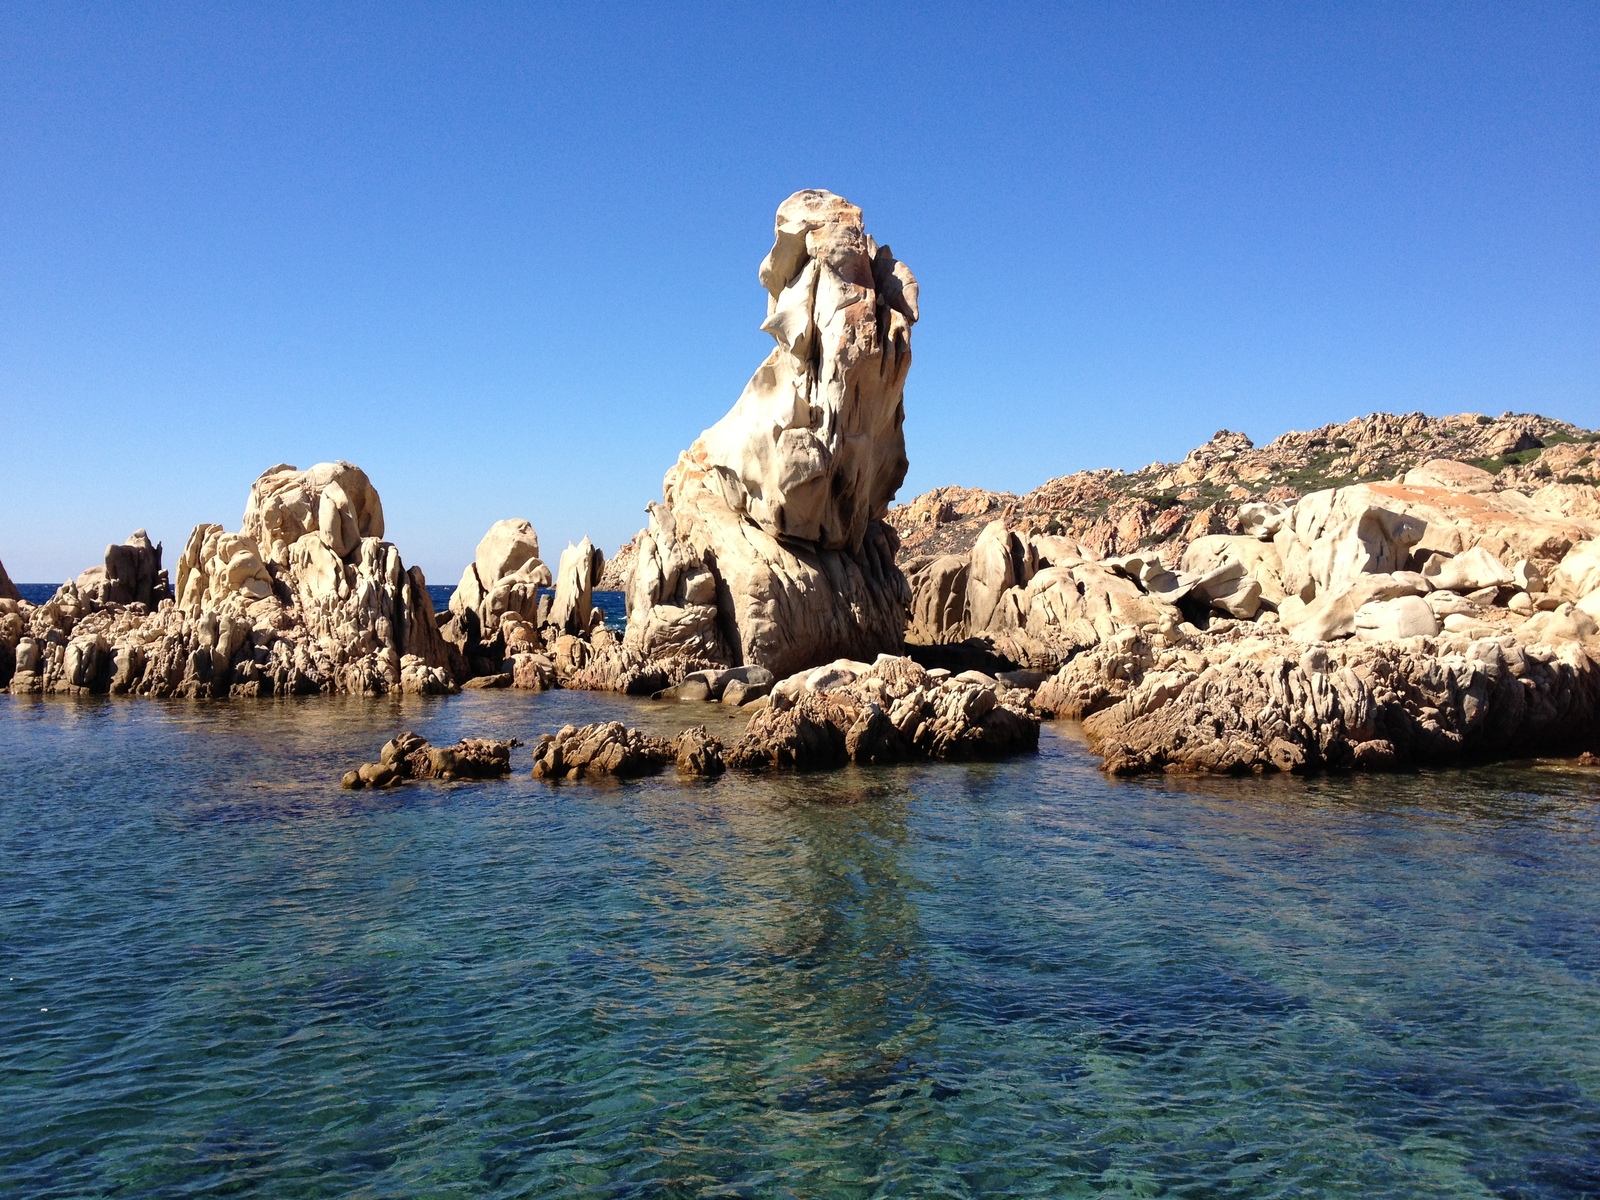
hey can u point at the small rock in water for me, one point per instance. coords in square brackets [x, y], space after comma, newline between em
[409, 756]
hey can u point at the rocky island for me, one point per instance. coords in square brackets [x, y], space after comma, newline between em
[1387, 592]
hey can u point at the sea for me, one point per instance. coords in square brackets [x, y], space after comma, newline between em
[223, 974]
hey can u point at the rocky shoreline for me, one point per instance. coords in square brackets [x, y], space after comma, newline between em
[1390, 592]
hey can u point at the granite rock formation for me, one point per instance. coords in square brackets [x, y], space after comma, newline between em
[8, 590]
[572, 611]
[1371, 626]
[333, 610]
[887, 711]
[409, 756]
[1165, 506]
[769, 546]
[494, 611]
[130, 574]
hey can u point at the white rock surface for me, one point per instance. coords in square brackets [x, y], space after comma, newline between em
[335, 500]
[769, 547]
[579, 570]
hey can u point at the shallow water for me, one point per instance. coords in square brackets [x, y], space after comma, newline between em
[223, 974]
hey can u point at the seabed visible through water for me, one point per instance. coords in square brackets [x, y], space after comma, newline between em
[222, 974]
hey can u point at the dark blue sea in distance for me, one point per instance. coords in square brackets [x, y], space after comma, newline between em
[613, 604]
[224, 975]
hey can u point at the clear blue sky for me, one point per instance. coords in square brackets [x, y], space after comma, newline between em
[505, 257]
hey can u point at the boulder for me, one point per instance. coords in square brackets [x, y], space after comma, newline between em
[1451, 476]
[1332, 536]
[1395, 618]
[1333, 613]
[769, 546]
[494, 609]
[1260, 560]
[579, 570]
[998, 563]
[939, 599]
[130, 574]
[1577, 576]
[334, 500]
[1467, 572]
[609, 748]
[409, 756]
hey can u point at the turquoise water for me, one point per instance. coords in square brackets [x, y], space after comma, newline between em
[222, 975]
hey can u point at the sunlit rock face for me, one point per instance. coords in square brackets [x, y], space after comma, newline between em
[306, 597]
[769, 546]
[814, 450]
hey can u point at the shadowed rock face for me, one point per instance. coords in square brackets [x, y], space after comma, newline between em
[769, 547]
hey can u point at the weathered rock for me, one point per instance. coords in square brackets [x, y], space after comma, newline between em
[1260, 559]
[409, 756]
[1333, 613]
[1451, 476]
[769, 547]
[244, 624]
[130, 574]
[1396, 618]
[580, 568]
[610, 748]
[336, 501]
[1577, 576]
[938, 599]
[1467, 572]
[8, 590]
[838, 713]
[1231, 485]
[698, 753]
[494, 609]
[1261, 702]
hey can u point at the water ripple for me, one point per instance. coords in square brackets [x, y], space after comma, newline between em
[221, 973]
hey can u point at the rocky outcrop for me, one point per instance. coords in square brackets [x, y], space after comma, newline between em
[1038, 600]
[1168, 505]
[891, 710]
[409, 756]
[320, 613]
[888, 711]
[494, 611]
[130, 574]
[769, 546]
[1254, 700]
[612, 749]
[1398, 624]
[8, 590]
[336, 501]
[572, 611]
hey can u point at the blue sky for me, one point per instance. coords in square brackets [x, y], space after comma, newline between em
[504, 257]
